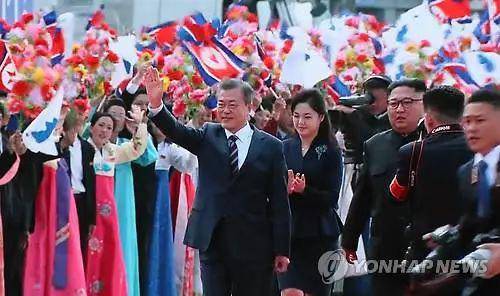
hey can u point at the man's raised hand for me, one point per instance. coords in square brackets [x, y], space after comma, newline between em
[154, 87]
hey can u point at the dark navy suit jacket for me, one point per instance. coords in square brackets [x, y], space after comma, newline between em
[254, 205]
[314, 211]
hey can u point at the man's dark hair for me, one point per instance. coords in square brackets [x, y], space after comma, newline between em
[128, 100]
[417, 84]
[238, 83]
[488, 96]
[445, 102]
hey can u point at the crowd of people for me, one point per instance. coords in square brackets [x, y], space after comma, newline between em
[270, 177]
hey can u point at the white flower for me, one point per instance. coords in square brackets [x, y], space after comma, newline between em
[320, 150]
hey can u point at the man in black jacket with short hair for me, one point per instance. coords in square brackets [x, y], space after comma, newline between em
[372, 197]
[433, 197]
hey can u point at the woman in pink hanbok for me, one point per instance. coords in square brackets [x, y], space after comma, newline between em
[105, 265]
[54, 264]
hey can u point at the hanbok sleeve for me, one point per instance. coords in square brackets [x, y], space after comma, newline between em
[181, 159]
[149, 156]
[132, 150]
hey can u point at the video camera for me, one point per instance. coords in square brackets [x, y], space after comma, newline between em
[373, 82]
[357, 100]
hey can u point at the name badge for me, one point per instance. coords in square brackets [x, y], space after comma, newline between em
[474, 175]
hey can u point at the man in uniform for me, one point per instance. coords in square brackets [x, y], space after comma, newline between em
[432, 164]
[372, 197]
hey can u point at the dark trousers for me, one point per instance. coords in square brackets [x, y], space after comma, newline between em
[15, 242]
[223, 272]
[83, 223]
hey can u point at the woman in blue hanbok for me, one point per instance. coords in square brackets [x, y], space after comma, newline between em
[161, 277]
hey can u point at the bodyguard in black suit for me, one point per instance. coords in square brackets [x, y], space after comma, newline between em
[480, 177]
[372, 197]
[433, 196]
[240, 220]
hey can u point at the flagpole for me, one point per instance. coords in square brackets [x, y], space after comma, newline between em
[273, 92]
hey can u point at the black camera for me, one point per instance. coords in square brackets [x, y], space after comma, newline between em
[357, 100]
[373, 82]
[451, 247]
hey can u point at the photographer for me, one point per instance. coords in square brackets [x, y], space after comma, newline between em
[359, 123]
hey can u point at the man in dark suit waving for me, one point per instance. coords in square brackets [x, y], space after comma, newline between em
[240, 220]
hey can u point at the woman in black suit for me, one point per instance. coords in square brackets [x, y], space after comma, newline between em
[314, 179]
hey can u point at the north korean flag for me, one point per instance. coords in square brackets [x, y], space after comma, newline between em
[213, 59]
[165, 34]
[451, 10]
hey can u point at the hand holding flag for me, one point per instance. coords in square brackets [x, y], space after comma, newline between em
[39, 135]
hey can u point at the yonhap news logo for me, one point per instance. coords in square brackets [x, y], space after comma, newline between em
[333, 266]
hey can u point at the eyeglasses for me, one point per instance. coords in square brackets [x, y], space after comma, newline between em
[230, 106]
[406, 103]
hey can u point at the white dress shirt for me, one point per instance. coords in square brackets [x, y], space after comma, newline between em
[75, 159]
[491, 160]
[244, 136]
[171, 154]
[154, 111]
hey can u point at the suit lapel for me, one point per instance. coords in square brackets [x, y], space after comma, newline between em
[221, 142]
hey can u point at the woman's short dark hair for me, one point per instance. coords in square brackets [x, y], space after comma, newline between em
[315, 100]
[98, 115]
[113, 102]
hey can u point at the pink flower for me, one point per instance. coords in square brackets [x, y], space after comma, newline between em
[198, 95]
[179, 108]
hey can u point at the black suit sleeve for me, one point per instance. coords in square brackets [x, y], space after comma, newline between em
[280, 207]
[186, 137]
[468, 220]
[7, 159]
[359, 210]
[399, 187]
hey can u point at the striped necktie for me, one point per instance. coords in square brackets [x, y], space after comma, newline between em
[483, 188]
[233, 155]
